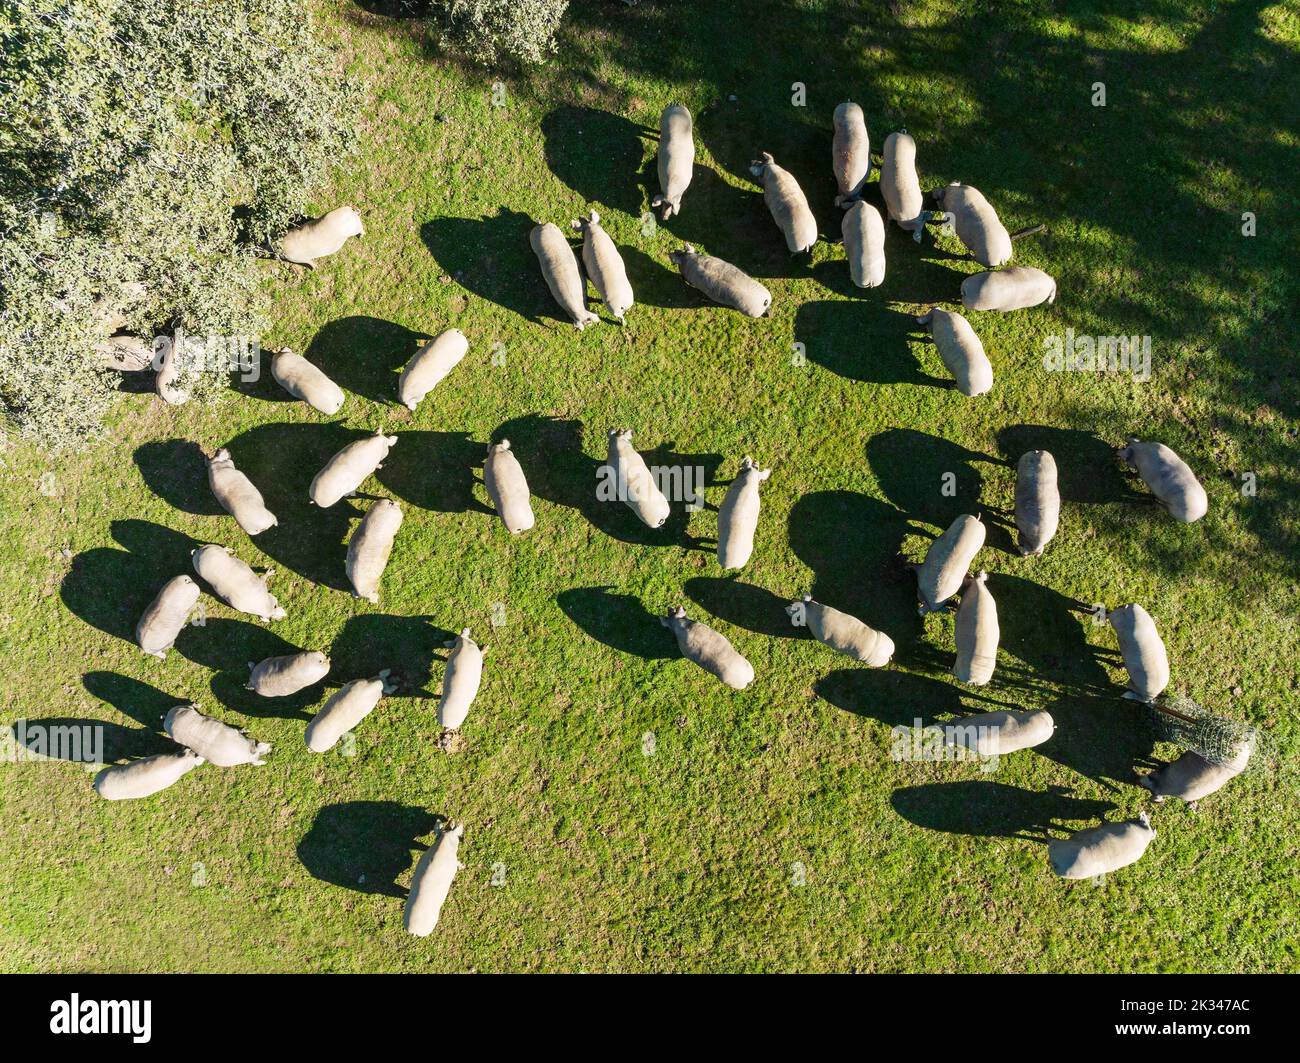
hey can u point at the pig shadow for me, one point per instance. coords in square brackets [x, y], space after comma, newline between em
[718, 219]
[1087, 468]
[87, 741]
[1101, 736]
[435, 471]
[620, 621]
[141, 702]
[551, 452]
[110, 589]
[363, 355]
[659, 284]
[861, 343]
[934, 481]
[597, 154]
[491, 257]
[898, 699]
[176, 470]
[365, 846]
[744, 605]
[406, 646]
[995, 810]
[282, 459]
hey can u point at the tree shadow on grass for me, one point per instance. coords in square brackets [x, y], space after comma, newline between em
[405, 646]
[176, 470]
[365, 846]
[620, 621]
[435, 471]
[550, 450]
[995, 810]
[110, 589]
[363, 354]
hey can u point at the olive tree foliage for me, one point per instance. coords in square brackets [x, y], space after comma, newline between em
[488, 31]
[150, 152]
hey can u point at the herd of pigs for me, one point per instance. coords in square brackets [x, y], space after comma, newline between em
[943, 577]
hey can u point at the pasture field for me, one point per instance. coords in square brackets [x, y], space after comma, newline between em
[623, 810]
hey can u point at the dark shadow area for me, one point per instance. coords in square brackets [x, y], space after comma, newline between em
[861, 341]
[406, 646]
[599, 155]
[492, 258]
[550, 450]
[435, 471]
[659, 283]
[176, 470]
[86, 741]
[365, 846]
[110, 589]
[744, 605]
[1086, 466]
[1101, 736]
[139, 701]
[361, 354]
[995, 810]
[282, 459]
[898, 699]
[620, 621]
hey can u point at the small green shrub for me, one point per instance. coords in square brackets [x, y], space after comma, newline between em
[486, 31]
[147, 143]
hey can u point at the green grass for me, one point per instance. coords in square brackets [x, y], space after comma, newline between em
[608, 858]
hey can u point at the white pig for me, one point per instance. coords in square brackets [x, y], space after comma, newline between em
[237, 495]
[1144, 653]
[165, 617]
[305, 381]
[432, 882]
[976, 633]
[430, 365]
[842, 632]
[676, 158]
[605, 266]
[722, 282]
[900, 186]
[560, 269]
[370, 546]
[346, 708]
[788, 204]
[1013, 288]
[863, 230]
[347, 470]
[850, 153]
[709, 649]
[278, 677]
[235, 583]
[1169, 477]
[947, 561]
[460, 682]
[1100, 850]
[321, 237]
[995, 734]
[1038, 501]
[503, 477]
[217, 742]
[976, 223]
[738, 515]
[961, 351]
[1191, 776]
[635, 485]
[145, 777]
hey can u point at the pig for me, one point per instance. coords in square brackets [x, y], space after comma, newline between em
[237, 495]
[166, 616]
[788, 204]
[278, 677]
[560, 268]
[738, 515]
[1192, 777]
[842, 632]
[321, 237]
[216, 742]
[1038, 502]
[676, 159]
[947, 561]
[976, 633]
[900, 186]
[235, 583]
[305, 381]
[346, 708]
[605, 267]
[503, 477]
[126, 353]
[145, 777]
[1013, 288]
[168, 361]
[850, 153]
[347, 470]
[976, 224]
[369, 547]
[863, 230]
[995, 734]
[1099, 850]
[707, 648]
[722, 282]
[1169, 478]
[460, 682]
[1143, 652]
[961, 351]
[430, 365]
[636, 485]
[432, 881]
